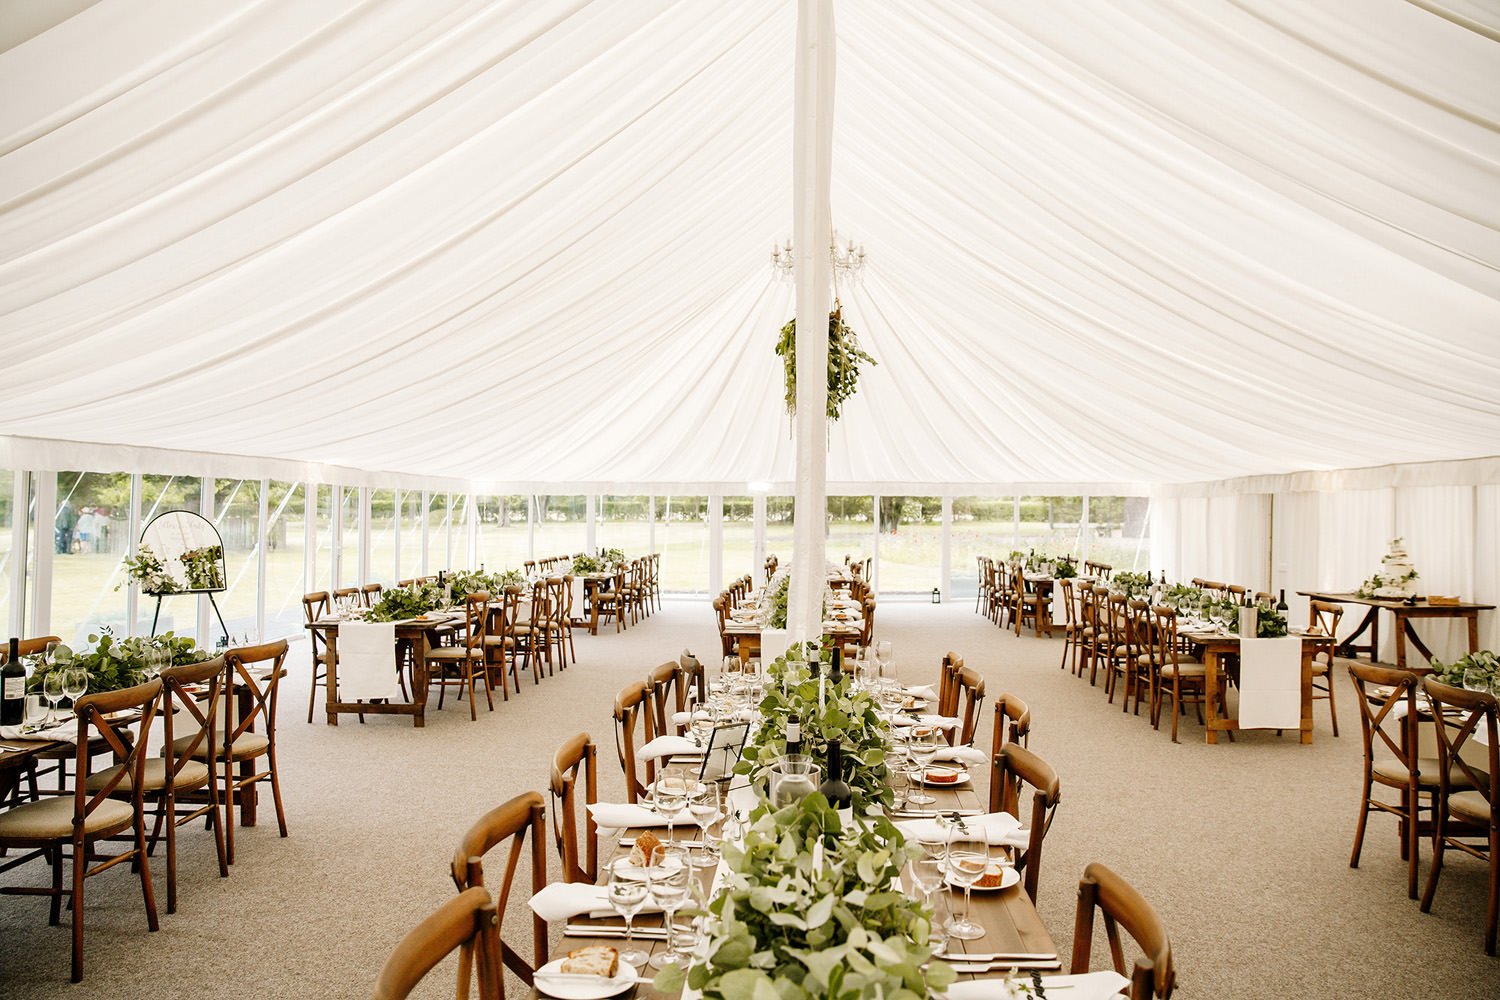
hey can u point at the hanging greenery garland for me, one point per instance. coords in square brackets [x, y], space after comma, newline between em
[844, 359]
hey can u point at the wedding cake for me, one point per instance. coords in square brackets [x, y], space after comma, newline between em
[1397, 579]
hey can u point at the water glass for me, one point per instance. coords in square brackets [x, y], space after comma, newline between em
[968, 861]
[670, 796]
[668, 884]
[52, 689]
[75, 684]
[627, 894]
[36, 712]
[703, 807]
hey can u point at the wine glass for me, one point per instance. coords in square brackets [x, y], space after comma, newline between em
[75, 685]
[670, 796]
[922, 747]
[52, 690]
[967, 862]
[627, 894]
[885, 657]
[927, 876]
[703, 807]
[668, 883]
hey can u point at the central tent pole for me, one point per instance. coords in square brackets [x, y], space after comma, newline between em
[812, 227]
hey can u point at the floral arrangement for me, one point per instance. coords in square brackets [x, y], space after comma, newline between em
[612, 556]
[204, 567]
[404, 603]
[585, 564]
[844, 360]
[150, 572]
[1065, 569]
[1131, 583]
[1475, 671]
[1180, 594]
[812, 908]
[772, 610]
[113, 663]
[1271, 624]
[847, 714]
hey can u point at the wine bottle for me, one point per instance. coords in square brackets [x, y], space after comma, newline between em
[793, 734]
[1281, 602]
[13, 686]
[834, 788]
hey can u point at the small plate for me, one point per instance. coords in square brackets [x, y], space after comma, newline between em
[961, 779]
[569, 987]
[1010, 878]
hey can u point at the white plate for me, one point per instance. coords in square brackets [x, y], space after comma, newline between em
[569, 988]
[1010, 878]
[963, 779]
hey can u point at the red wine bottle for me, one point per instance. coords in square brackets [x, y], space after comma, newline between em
[834, 788]
[13, 687]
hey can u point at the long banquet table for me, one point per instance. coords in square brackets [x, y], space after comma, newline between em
[1218, 645]
[419, 632]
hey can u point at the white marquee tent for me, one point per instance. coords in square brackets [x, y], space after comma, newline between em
[1131, 248]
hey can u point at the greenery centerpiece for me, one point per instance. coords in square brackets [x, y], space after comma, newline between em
[844, 359]
[1132, 584]
[1478, 671]
[612, 556]
[1271, 624]
[1065, 569]
[114, 663]
[403, 603]
[585, 564]
[203, 567]
[772, 610]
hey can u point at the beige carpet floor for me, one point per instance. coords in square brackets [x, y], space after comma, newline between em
[1242, 847]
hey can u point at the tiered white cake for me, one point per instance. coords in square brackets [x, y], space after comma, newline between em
[1397, 578]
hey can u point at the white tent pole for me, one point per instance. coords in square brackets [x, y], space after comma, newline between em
[812, 227]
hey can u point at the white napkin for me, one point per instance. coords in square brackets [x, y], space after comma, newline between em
[66, 732]
[668, 746]
[1271, 683]
[367, 661]
[561, 900]
[925, 692]
[967, 755]
[941, 721]
[619, 815]
[1102, 985]
[1001, 829]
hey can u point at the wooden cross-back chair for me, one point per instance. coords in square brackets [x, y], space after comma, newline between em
[970, 699]
[726, 641]
[1012, 723]
[1326, 616]
[511, 822]
[612, 602]
[516, 637]
[252, 680]
[370, 594]
[466, 663]
[578, 753]
[1153, 974]
[69, 825]
[1071, 628]
[1387, 700]
[1014, 766]
[315, 606]
[632, 711]
[1187, 677]
[691, 677]
[1474, 799]
[469, 923]
[1091, 631]
[947, 691]
[667, 699]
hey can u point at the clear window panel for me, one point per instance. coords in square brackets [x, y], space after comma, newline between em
[1120, 532]
[781, 528]
[349, 538]
[286, 543]
[410, 512]
[851, 528]
[7, 519]
[383, 537]
[682, 538]
[739, 538]
[504, 531]
[323, 557]
[237, 516]
[439, 517]
[561, 525]
[982, 526]
[1051, 526]
[88, 539]
[458, 533]
[160, 494]
[624, 523]
[911, 544]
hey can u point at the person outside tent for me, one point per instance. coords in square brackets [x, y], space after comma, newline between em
[67, 520]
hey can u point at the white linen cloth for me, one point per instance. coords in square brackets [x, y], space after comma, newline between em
[667, 746]
[1001, 829]
[773, 644]
[577, 592]
[620, 815]
[66, 731]
[965, 755]
[924, 691]
[941, 721]
[367, 661]
[1059, 606]
[1102, 985]
[561, 900]
[1271, 683]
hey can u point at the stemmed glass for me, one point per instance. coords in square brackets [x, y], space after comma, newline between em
[52, 689]
[627, 894]
[75, 685]
[967, 862]
[670, 796]
[668, 882]
[703, 807]
[927, 876]
[922, 747]
[885, 658]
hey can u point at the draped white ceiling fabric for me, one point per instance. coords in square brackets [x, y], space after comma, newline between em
[521, 242]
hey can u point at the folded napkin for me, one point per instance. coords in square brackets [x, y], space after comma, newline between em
[667, 746]
[619, 815]
[1001, 829]
[924, 691]
[562, 900]
[66, 732]
[966, 755]
[367, 661]
[1102, 985]
[941, 721]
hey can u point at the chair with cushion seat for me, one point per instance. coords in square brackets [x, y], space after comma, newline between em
[1012, 723]
[1325, 615]
[970, 697]
[513, 821]
[1013, 767]
[468, 662]
[692, 680]
[252, 678]
[191, 704]
[1185, 677]
[667, 699]
[469, 923]
[370, 594]
[516, 637]
[70, 825]
[1153, 974]
[610, 603]
[577, 753]
[633, 710]
[947, 688]
[1387, 700]
[1468, 813]
[315, 606]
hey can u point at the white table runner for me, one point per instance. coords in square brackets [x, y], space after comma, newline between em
[1271, 683]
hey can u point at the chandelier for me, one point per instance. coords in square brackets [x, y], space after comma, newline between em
[847, 257]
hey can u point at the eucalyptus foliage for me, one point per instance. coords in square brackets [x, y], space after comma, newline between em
[1474, 670]
[844, 358]
[403, 603]
[114, 663]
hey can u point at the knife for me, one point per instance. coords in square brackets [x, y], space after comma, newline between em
[975, 968]
[999, 956]
[611, 931]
